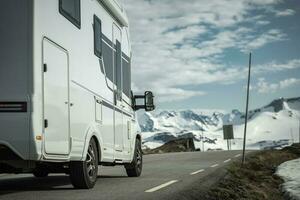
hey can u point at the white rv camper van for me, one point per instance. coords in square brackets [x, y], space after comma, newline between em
[66, 104]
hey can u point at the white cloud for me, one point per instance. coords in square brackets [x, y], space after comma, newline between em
[287, 12]
[263, 22]
[276, 67]
[264, 2]
[289, 83]
[273, 35]
[265, 87]
[178, 43]
[176, 94]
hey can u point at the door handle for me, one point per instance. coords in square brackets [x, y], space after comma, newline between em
[71, 104]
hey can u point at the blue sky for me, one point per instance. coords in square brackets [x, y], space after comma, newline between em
[193, 54]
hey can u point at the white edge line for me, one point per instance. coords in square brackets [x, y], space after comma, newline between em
[197, 172]
[237, 155]
[214, 165]
[161, 186]
[227, 160]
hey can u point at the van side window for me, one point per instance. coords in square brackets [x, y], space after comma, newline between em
[108, 59]
[97, 37]
[70, 9]
[118, 61]
[126, 78]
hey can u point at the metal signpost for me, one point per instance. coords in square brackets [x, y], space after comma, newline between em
[247, 104]
[202, 141]
[228, 134]
[292, 136]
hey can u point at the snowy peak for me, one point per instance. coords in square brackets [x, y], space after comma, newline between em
[146, 122]
[190, 115]
[266, 124]
[176, 121]
[282, 103]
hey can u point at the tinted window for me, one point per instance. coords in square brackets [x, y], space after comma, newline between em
[107, 54]
[126, 78]
[97, 37]
[118, 62]
[71, 10]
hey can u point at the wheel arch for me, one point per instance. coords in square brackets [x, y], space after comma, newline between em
[138, 136]
[92, 133]
[98, 147]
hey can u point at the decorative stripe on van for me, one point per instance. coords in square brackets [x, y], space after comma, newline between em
[104, 103]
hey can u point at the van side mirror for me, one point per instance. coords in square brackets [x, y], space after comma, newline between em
[149, 101]
[146, 101]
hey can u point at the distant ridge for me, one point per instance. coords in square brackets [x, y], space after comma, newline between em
[161, 127]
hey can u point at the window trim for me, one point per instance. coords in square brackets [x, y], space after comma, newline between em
[69, 17]
[97, 53]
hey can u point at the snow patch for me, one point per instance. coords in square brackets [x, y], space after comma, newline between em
[290, 173]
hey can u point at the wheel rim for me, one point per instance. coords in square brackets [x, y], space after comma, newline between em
[91, 162]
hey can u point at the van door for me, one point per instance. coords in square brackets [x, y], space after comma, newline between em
[127, 110]
[56, 99]
[118, 91]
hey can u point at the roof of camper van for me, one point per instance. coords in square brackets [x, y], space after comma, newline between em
[117, 10]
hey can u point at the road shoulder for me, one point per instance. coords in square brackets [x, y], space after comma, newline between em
[256, 180]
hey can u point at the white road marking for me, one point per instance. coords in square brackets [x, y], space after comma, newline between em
[161, 186]
[214, 165]
[227, 160]
[197, 172]
[237, 155]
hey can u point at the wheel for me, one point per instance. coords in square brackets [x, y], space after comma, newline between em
[40, 173]
[83, 174]
[134, 169]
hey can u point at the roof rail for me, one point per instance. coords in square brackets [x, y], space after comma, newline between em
[115, 8]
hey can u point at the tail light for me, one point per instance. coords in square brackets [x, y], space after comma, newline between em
[13, 107]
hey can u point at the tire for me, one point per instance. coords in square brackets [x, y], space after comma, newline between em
[40, 173]
[83, 174]
[134, 169]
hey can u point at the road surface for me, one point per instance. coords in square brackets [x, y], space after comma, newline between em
[165, 176]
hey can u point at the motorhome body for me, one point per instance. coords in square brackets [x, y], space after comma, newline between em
[65, 76]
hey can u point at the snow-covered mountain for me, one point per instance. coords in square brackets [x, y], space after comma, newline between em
[276, 124]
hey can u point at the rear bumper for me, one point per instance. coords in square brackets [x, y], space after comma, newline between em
[11, 162]
[7, 154]
[15, 133]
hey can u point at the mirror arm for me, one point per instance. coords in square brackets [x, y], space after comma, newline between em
[138, 107]
[139, 96]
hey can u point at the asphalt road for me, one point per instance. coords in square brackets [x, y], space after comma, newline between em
[164, 176]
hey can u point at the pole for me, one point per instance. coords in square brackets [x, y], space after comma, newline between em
[228, 144]
[299, 131]
[202, 130]
[292, 136]
[247, 106]
[202, 141]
